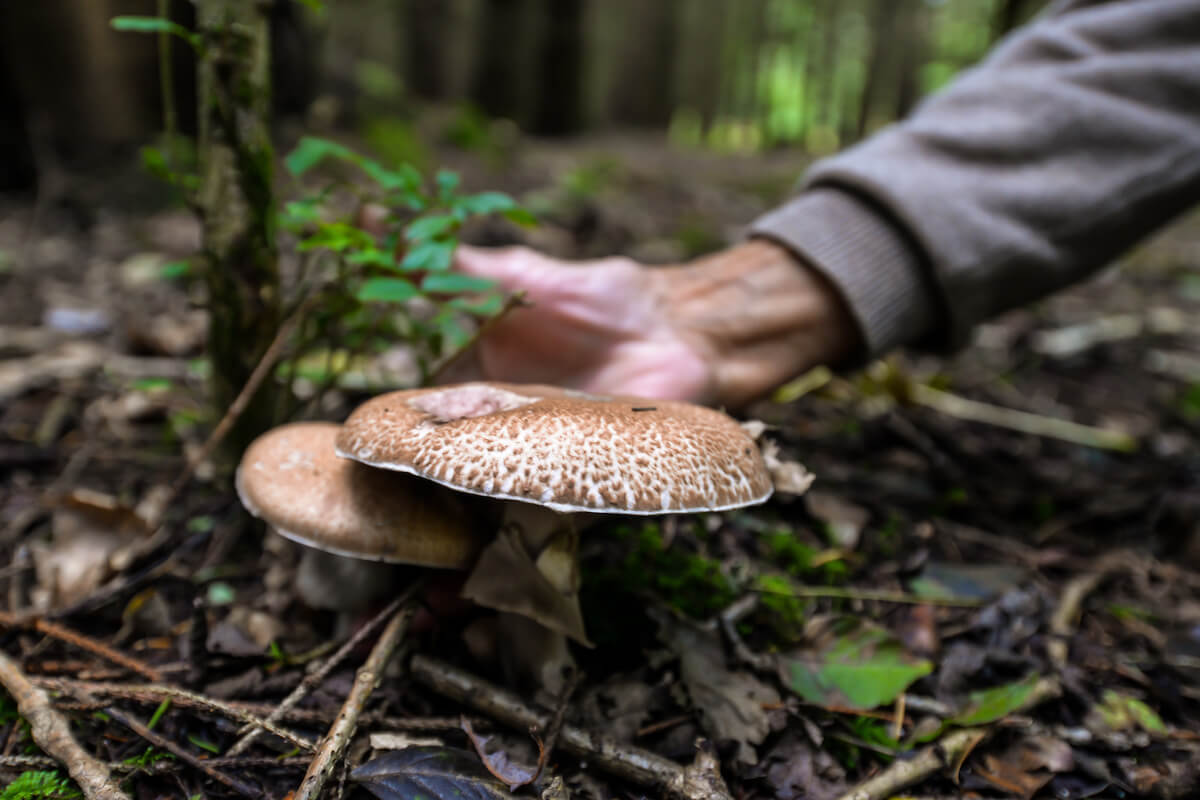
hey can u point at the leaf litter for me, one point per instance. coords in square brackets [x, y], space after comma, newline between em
[924, 603]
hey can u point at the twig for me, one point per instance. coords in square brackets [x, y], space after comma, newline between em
[850, 593]
[630, 763]
[163, 743]
[553, 729]
[52, 733]
[513, 301]
[342, 731]
[318, 676]
[952, 749]
[949, 751]
[253, 762]
[1066, 615]
[157, 692]
[1022, 421]
[54, 630]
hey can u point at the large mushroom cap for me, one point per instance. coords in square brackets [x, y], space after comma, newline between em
[566, 450]
[292, 478]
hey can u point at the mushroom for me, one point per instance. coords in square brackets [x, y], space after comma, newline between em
[291, 478]
[548, 454]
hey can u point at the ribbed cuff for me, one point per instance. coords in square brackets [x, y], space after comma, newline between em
[864, 256]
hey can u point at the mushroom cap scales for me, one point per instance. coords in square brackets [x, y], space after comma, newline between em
[562, 449]
[292, 478]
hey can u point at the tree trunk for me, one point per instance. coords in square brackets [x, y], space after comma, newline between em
[560, 69]
[883, 33]
[497, 84]
[237, 206]
[425, 24]
[643, 93]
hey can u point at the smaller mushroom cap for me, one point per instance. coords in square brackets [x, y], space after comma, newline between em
[291, 478]
[566, 450]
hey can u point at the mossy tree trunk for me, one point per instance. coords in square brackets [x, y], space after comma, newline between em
[237, 206]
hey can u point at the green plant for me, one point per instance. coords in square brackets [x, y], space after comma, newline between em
[366, 284]
[356, 290]
[40, 785]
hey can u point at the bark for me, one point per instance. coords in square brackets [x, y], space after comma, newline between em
[559, 97]
[425, 33]
[643, 93]
[237, 206]
[883, 36]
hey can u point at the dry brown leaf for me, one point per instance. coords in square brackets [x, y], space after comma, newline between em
[730, 702]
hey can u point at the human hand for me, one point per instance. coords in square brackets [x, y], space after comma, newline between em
[598, 326]
[724, 329]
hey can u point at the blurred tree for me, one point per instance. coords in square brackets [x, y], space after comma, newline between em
[642, 93]
[502, 39]
[426, 24]
[236, 204]
[559, 104]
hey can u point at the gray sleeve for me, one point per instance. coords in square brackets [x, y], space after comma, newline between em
[1077, 136]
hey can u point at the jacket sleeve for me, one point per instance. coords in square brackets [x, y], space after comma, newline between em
[1077, 136]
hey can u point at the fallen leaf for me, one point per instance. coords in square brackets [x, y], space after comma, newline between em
[843, 520]
[731, 702]
[507, 579]
[498, 762]
[796, 770]
[429, 773]
[88, 532]
[947, 581]
[988, 705]
[1119, 712]
[854, 665]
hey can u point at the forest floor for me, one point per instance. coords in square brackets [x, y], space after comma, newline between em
[958, 607]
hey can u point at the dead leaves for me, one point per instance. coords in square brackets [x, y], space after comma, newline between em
[732, 703]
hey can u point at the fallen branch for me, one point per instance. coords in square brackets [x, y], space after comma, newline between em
[1070, 602]
[961, 408]
[698, 781]
[315, 678]
[157, 693]
[63, 634]
[52, 733]
[334, 745]
[163, 743]
[949, 751]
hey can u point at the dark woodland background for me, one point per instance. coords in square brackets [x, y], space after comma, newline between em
[734, 75]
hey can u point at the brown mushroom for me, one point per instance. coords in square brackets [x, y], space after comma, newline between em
[292, 478]
[549, 453]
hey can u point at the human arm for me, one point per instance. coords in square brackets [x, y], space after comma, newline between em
[1077, 136]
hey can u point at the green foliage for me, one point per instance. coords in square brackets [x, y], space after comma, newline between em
[149, 757]
[156, 25]
[371, 275]
[856, 665]
[40, 785]
[1189, 402]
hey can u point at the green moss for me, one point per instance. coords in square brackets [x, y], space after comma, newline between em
[689, 582]
[784, 612]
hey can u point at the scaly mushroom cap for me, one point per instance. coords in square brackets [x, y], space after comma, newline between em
[566, 450]
[292, 478]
